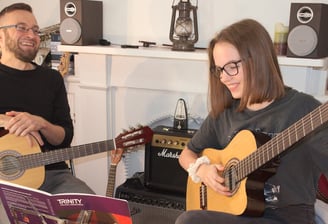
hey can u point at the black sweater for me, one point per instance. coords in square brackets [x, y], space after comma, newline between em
[40, 92]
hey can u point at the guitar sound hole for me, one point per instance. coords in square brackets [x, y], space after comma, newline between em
[231, 176]
[9, 166]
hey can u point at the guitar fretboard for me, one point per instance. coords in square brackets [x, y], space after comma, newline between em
[111, 180]
[282, 141]
[54, 156]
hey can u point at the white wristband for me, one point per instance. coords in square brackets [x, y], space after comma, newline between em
[193, 167]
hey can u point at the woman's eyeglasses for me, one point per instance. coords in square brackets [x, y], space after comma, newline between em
[231, 69]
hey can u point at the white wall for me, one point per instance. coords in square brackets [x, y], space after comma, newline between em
[128, 21]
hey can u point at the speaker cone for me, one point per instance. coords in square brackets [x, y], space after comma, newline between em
[70, 30]
[302, 40]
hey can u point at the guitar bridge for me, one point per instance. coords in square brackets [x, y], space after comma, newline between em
[203, 196]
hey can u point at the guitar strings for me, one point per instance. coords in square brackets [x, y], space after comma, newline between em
[12, 163]
[280, 142]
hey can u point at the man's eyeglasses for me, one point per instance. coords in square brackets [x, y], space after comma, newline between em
[231, 69]
[23, 28]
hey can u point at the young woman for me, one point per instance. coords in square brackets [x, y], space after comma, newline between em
[247, 92]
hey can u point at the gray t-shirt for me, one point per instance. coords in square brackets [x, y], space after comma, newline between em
[295, 181]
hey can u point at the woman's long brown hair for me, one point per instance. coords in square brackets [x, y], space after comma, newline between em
[262, 75]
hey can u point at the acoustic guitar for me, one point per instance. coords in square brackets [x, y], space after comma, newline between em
[22, 164]
[247, 170]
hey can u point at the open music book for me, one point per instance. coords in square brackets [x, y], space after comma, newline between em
[25, 205]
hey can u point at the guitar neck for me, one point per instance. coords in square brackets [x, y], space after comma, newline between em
[111, 180]
[54, 156]
[283, 141]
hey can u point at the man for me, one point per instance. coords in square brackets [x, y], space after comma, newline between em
[33, 100]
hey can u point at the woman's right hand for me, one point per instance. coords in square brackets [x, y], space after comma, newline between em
[210, 176]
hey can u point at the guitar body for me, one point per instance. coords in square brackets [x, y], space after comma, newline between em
[11, 147]
[248, 197]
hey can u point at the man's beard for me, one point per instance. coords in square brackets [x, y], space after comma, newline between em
[26, 56]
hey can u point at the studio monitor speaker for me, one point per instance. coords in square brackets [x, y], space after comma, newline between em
[308, 30]
[81, 22]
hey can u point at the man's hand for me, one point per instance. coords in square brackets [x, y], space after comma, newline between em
[4, 120]
[22, 124]
[36, 135]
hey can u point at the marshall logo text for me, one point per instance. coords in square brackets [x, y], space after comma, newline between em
[167, 154]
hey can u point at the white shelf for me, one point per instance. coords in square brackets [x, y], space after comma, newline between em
[152, 52]
[304, 62]
[166, 52]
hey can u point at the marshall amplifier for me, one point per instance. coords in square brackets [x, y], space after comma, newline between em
[162, 168]
[147, 205]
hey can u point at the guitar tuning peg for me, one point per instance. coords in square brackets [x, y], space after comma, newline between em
[139, 125]
[129, 149]
[124, 131]
[132, 128]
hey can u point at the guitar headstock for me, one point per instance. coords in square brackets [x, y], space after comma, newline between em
[134, 137]
[116, 155]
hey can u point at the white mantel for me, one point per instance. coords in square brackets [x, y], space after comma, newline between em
[114, 88]
[166, 52]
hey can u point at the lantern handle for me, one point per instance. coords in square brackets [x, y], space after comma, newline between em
[182, 0]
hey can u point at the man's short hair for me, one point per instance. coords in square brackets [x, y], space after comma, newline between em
[14, 7]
